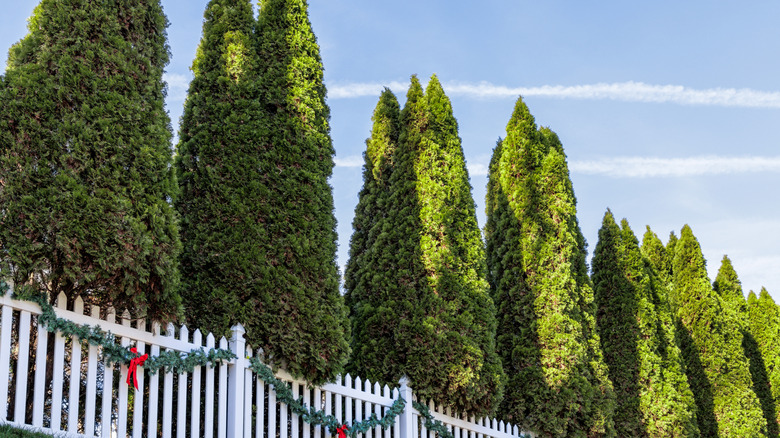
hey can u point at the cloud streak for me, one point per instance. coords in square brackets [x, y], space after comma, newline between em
[650, 167]
[620, 91]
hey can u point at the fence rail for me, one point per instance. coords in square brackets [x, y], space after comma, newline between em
[59, 385]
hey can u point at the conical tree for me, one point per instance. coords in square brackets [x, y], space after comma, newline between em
[219, 171]
[423, 308]
[295, 312]
[655, 253]
[717, 368]
[729, 289]
[557, 378]
[645, 364]
[373, 205]
[764, 330]
[85, 159]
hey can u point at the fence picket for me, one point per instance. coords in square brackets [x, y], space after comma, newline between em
[22, 365]
[167, 419]
[317, 403]
[181, 405]
[248, 397]
[260, 400]
[39, 394]
[197, 339]
[208, 412]
[108, 389]
[154, 389]
[122, 391]
[5, 356]
[294, 418]
[138, 396]
[272, 407]
[222, 394]
[91, 396]
[59, 371]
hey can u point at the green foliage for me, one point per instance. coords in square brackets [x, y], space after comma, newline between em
[763, 323]
[711, 340]
[557, 378]
[638, 340]
[256, 156]
[729, 289]
[218, 170]
[372, 209]
[85, 158]
[416, 287]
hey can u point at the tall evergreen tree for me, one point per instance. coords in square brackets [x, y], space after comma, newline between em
[85, 158]
[729, 289]
[219, 172]
[655, 253]
[423, 308]
[645, 364]
[712, 347]
[557, 378]
[372, 205]
[294, 310]
[764, 330]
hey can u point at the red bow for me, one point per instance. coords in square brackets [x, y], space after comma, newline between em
[341, 430]
[134, 363]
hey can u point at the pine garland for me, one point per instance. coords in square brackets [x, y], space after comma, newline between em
[113, 353]
[317, 417]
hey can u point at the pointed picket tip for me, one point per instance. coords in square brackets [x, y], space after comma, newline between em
[170, 330]
[210, 341]
[62, 300]
[94, 311]
[156, 328]
[377, 388]
[126, 318]
[184, 333]
[358, 384]
[111, 314]
[197, 337]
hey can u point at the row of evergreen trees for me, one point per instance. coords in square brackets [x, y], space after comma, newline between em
[644, 346]
[240, 228]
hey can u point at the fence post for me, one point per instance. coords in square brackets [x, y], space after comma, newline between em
[407, 425]
[235, 426]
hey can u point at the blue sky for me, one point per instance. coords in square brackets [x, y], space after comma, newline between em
[668, 111]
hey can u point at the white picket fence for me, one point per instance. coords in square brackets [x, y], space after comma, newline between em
[69, 392]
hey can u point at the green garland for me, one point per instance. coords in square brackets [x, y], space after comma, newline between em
[431, 423]
[113, 353]
[317, 417]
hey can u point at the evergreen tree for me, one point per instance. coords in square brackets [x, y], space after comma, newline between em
[294, 312]
[645, 365]
[729, 289]
[557, 378]
[764, 345]
[85, 158]
[419, 299]
[717, 368]
[655, 253]
[219, 172]
[372, 205]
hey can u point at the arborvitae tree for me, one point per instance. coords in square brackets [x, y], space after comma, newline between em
[423, 308]
[85, 158]
[219, 172]
[294, 311]
[717, 368]
[558, 383]
[655, 253]
[764, 330]
[729, 289]
[372, 207]
[645, 364]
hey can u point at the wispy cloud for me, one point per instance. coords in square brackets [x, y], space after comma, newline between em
[349, 161]
[647, 167]
[177, 86]
[620, 91]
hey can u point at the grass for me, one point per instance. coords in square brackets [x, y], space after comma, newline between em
[11, 432]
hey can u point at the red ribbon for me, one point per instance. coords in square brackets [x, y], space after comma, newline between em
[134, 363]
[341, 430]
